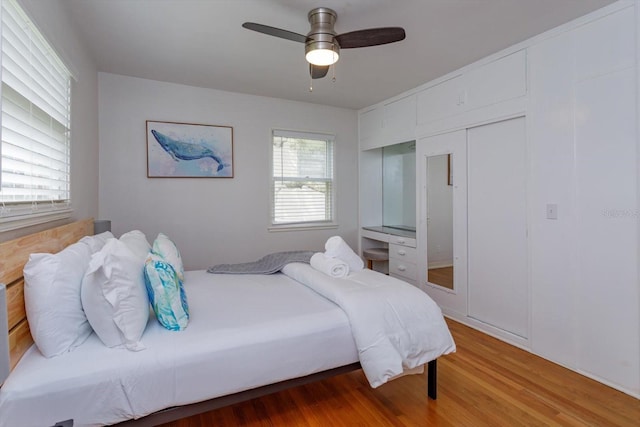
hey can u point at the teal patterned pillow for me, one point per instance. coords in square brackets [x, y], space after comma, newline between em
[165, 247]
[166, 293]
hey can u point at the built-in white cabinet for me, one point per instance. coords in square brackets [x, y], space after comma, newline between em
[402, 259]
[442, 100]
[545, 158]
[399, 120]
[497, 81]
[488, 209]
[584, 152]
[402, 263]
[370, 128]
[388, 123]
[497, 226]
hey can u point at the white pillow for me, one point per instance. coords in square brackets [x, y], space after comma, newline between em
[164, 247]
[96, 242]
[114, 296]
[138, 244]
[52, 299]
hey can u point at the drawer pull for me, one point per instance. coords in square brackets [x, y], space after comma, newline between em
[402, 252]
[401, 241]
[402, 268]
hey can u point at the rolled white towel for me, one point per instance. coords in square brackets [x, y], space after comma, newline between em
[336, 247]
[333, 267]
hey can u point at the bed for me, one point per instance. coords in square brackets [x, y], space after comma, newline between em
[212, 363]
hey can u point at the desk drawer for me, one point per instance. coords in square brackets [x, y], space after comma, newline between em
[405, 253]
[404, 241]
[404, 269]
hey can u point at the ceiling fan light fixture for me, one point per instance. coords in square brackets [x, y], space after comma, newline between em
[322, 52]
[322, 57]
[320, 48]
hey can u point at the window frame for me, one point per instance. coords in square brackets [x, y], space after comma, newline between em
[303, 225]
[19, 214]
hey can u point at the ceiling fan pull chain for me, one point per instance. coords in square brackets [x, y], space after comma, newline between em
[333, 79]
[311, 79]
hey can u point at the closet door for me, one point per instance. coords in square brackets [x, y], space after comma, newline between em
[497, 245]
[448, 148]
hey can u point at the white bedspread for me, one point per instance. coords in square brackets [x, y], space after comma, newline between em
[395, 325]
[245, 331]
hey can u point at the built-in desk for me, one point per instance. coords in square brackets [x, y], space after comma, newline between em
[402, 249]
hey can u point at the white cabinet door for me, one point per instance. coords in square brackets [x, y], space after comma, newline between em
[370, 128]
[605, 45]
[497, 233]
[606, 152]
[440, 101]
[492, 83]
[500, 80]
[550, 125]
[399, 120]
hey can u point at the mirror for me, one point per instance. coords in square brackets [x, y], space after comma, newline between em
[440, 220]
[399, 186]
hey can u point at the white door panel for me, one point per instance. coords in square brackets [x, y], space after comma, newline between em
[497, 225]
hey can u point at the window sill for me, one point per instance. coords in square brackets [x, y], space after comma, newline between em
[16, 222]
[303, 227]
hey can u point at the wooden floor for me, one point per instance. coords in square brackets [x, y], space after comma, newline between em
[485, 383]
[441, 276]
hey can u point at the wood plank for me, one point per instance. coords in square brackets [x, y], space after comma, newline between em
[15, 303]
[14, 254]
[487, 382]
[19, 341]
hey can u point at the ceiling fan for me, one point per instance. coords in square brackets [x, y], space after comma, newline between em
[323, 44]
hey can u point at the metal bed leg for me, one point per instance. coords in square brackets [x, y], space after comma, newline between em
[432, 376]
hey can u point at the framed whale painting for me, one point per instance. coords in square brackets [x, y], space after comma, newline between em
[186, 150]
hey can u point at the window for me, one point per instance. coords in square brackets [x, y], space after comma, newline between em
[303, 186]
[35, 124]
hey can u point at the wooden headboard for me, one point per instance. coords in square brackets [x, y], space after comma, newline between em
[14, 254]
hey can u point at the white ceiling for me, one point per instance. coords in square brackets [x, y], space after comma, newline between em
[201, 43]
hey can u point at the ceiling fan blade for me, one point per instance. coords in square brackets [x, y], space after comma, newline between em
[370, 37]
[318, 71]
[277, 32]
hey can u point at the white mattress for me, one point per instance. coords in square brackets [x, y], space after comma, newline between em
[245, 331]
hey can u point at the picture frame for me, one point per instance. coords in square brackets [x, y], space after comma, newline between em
[189, 150]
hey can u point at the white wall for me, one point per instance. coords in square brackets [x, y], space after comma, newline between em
[53, 22]
[213, 220]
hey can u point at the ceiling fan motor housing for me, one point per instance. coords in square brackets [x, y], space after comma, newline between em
[322, 34]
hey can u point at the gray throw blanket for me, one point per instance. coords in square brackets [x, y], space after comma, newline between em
[268, 264]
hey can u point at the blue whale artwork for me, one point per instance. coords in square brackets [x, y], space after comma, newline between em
[179, 150]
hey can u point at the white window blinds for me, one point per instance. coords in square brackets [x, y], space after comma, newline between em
[35, 119]
[303, 182]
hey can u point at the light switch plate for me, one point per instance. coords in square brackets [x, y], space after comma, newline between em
[552, 211]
